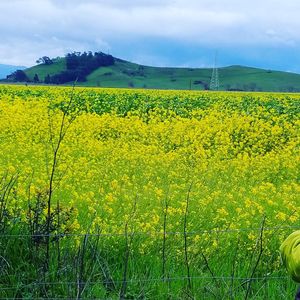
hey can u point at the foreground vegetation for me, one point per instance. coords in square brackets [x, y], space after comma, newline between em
[128, 194]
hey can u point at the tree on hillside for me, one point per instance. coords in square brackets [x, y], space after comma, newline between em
[18, 76]
[45, 60]
[78, 66]
[47, 79]
[36, 78]
[72, 60]
[88, 62]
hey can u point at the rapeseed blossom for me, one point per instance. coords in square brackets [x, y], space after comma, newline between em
[128, 154]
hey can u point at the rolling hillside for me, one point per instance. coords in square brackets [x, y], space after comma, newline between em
[127, 74]
[42, 70]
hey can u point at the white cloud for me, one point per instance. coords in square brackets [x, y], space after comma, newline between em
[31, 28]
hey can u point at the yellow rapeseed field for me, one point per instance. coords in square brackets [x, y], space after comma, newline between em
[220, 168]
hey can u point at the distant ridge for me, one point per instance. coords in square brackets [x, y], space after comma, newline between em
[125, 74]
[8, 69]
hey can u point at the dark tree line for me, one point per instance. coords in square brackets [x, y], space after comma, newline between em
[18, 76]
[78, 67]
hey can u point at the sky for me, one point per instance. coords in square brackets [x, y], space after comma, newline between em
[184, 33]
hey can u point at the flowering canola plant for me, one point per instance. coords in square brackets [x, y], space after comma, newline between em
[131, 156]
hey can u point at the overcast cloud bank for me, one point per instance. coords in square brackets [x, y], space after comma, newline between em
[32, 28]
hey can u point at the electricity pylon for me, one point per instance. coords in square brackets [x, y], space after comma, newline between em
[214, 81]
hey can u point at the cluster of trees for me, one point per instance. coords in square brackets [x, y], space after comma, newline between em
[45, 60]
[78, 66]
[18, 76]
[251, 87]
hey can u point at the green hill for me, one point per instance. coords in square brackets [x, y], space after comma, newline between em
[127, 74]
[43, 70]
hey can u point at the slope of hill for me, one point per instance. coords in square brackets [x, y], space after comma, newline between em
[8, 69]
[43, 70]
[127, 74]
